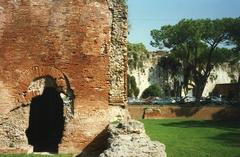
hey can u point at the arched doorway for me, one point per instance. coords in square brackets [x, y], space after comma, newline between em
[46, 119]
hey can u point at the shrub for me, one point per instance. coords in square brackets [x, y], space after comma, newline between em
[152, 91]
[133, 90]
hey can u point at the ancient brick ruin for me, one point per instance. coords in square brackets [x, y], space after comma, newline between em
[62, 73]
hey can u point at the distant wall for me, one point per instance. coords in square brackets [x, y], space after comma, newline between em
[136, 111]
[147, 75]
[150, 75]
[191, 112]
[222, 77]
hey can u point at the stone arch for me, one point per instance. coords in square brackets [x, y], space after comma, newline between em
[46, 116]
[25, 94]
[29, 75]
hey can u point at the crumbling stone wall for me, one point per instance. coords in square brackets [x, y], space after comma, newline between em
[129, 139]
[82, 45]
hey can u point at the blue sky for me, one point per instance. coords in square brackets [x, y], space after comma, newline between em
[145, 15]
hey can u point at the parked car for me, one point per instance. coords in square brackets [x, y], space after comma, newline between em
[140, 101]
[131, 100]
[189, 99]
[216, 99]
[135, 101]
[161, 101]
[178, 99]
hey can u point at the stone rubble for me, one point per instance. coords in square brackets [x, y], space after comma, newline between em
[128, 139]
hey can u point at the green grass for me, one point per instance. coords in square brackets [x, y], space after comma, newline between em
[192, 138]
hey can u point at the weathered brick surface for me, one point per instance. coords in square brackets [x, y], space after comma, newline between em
[215, 112]
[81, 44]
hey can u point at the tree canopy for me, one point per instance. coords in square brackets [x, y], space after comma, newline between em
[152, 91]
[137, 54]
[133, 90]
[170, 76]
[199, 46]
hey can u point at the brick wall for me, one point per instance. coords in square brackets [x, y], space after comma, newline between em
[187, 112]
[82, 45]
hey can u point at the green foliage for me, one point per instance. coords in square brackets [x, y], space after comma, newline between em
[136, 92]
[234, 34]
[152, 91]
[123, 2]
[197, 46]
[133, 90]
[171, 71]
[137, 54]
[170, 64]
[192, 138]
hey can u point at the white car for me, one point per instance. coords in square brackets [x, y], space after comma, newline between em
[189, 99]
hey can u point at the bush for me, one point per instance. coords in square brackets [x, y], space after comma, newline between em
[152, 91]
[133, 90]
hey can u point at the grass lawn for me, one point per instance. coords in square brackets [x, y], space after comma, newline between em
[192, 138]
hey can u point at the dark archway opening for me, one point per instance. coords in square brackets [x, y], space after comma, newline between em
[46, 121]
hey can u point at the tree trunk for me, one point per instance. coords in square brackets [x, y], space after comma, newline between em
[199, 88]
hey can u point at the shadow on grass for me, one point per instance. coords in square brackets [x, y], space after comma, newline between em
[226, 125]
[228, 138]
